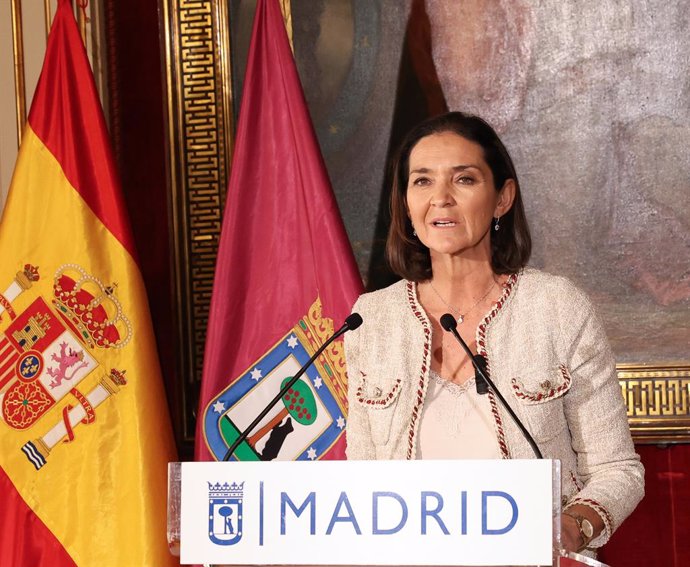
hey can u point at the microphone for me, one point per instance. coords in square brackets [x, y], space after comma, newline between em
[449, 324]
[480, 383]
[353, 321]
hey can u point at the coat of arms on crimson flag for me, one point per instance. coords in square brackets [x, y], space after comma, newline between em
[307, 421]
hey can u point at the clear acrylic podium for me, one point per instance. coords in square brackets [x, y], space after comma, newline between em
[460, 513]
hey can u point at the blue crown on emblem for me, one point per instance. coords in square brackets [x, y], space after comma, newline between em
[225, 490]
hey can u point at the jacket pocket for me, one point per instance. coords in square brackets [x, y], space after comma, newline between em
[380, 398]
[541, 400]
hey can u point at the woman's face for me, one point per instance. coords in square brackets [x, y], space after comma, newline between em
[451, 198]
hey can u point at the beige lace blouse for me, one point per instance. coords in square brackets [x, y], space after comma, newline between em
[456, 422]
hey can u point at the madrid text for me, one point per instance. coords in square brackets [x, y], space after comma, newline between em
[386, 513]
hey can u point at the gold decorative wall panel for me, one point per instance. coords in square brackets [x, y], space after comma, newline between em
[199, 125]
[658, 402]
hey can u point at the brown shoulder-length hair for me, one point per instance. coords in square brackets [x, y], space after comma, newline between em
[511, 245]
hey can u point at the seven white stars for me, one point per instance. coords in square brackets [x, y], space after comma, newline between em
[219, 407]
[340, 422]
[311, 453]
[292, 341]
[318, 382]
[256, 374]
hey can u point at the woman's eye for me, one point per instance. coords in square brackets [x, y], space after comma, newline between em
[465, 180]
[421, 181]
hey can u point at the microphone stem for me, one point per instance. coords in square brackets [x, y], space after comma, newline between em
[488, 380]
[280, 394]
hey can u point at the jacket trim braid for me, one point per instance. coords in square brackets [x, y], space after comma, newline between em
[481, 349]
[421, 388]
[577, 484]
[500, 436]
[378, 401]
[547, 391]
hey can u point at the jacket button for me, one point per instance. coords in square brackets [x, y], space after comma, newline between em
[377, 392]
[546, 385]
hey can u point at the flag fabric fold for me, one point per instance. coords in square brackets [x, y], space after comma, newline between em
[85, 435]
[285, 275]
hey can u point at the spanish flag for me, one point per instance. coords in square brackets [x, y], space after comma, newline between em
[84, 432]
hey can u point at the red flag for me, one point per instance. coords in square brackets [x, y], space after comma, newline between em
[285, 274]
[84, 433]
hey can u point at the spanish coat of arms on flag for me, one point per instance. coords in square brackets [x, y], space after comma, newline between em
[46, 351]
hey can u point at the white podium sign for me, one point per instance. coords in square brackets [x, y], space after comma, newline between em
[368, 512]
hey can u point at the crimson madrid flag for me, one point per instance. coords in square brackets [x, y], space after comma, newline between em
[285, 275]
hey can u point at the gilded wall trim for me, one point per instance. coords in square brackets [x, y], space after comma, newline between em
[199, 117]
[658, 402]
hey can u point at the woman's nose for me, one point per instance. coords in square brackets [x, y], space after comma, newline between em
[442, 196]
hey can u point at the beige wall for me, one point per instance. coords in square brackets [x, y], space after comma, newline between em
[30, 54]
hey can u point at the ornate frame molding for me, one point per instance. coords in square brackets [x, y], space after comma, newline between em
[199, 139]
[658, 402]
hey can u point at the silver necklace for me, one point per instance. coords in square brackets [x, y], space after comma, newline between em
[461, 316]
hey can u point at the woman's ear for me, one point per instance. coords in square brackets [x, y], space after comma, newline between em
[506, 196]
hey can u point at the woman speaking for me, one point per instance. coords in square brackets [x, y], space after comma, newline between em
[459, 239]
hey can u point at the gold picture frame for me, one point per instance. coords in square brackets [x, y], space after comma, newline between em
[199, 135]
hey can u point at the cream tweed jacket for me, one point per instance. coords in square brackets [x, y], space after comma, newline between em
[547, 354]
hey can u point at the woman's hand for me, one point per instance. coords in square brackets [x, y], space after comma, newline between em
[579, 525]
[571, 539]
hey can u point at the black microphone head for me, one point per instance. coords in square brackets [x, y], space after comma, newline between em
[448, 322]
[353, 321]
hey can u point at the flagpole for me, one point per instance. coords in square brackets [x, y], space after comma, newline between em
[19, 83]
[286, 9]
[82, 19]
[46, 15]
